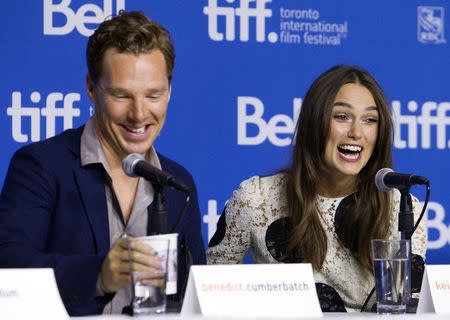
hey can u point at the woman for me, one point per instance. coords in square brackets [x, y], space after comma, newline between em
[325, 208]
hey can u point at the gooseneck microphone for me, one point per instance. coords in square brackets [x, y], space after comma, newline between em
[386, 179]
[135, 165]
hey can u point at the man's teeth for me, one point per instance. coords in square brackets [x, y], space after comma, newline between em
[138, 130]
[351, 148]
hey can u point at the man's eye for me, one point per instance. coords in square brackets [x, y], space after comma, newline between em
[119, 96]
[154, 96]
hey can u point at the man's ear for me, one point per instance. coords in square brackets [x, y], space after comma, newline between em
[90, 88]
[170, 92]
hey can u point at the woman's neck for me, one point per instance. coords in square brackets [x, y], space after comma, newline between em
[334, 188]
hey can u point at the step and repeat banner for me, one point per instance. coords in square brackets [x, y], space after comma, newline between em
[242, 69]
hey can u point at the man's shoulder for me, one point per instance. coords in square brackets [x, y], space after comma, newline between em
[56, 146]
[175, 169]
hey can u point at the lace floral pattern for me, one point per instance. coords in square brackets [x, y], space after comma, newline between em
[261, 200]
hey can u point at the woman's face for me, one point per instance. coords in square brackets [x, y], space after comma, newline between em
[353, 133]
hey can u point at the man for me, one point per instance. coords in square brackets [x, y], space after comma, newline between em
[66, 202]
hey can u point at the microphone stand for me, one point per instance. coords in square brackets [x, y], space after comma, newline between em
[405, 227]
[158, 223]
[405, 215]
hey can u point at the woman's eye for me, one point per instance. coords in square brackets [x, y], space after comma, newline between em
[340, 116]
[371, 120]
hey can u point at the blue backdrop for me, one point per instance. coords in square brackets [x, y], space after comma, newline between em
[242, 69]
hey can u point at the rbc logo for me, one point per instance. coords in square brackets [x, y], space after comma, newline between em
[430, 25]
[86, 14]
[50, 112]
[244, 12]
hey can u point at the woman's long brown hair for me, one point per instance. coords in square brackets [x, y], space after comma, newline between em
[369, 217]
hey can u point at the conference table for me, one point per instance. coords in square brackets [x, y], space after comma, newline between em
[327, 316]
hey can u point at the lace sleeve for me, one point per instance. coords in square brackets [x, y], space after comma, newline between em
[419, 238]
[231, 241]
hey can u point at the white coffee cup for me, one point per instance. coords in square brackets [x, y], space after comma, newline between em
[172, 269]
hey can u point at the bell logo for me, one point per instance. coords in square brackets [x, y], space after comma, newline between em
[279, 129]
[436, 224]
[87, 14]
[244, 12]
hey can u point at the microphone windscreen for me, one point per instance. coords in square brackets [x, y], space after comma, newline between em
[379, 179]
[129, 162]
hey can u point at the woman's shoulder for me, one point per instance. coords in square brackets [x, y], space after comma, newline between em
[258, 202]
[262, 185]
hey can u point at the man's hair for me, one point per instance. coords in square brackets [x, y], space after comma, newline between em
[128, 32]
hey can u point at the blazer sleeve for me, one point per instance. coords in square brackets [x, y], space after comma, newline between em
[27, 221]
[192, 227]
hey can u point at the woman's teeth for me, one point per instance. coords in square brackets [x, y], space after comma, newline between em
[350, 148]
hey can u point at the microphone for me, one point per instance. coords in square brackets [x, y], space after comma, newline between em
[135, 165]
[386, 179]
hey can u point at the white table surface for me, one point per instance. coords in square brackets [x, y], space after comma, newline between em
[332, 315]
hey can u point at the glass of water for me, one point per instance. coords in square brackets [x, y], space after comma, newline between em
[149, 287]
[391, 263]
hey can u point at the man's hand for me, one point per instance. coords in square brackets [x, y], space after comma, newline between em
[124, 257]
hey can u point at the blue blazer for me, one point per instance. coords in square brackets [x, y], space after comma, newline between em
[53, 214]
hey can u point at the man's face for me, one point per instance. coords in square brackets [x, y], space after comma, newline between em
[130, 99]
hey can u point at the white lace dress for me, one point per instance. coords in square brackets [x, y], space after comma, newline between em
[260, 201]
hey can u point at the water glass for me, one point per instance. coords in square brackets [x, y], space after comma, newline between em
[149, 287]
[391, 263]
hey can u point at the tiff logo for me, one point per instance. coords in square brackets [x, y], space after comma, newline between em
[430, 25]
[50, 112]
[87, 14]
[244, 12]
[211, 218]
[432, 115]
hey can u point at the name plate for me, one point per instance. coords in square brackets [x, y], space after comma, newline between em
[435, 291]
[30, 294]
[268, 290]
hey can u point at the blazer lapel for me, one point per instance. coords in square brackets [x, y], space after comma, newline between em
[91, 186]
